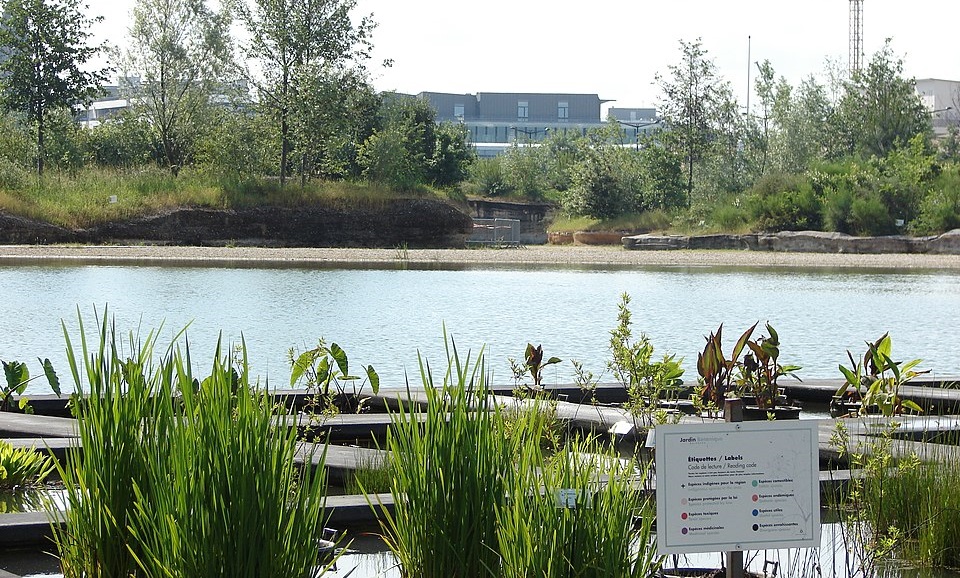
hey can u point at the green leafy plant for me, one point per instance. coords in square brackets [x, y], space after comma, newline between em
[326, 371]
[716, 370]
[17, 377]
[22, 467]
[876, 378]
[760, 369]
[533, 366]
[647, 382]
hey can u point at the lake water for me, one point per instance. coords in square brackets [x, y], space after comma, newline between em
[386, 316]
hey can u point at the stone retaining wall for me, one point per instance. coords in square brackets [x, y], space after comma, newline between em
[802, 242]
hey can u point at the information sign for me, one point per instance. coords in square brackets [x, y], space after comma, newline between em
[737, 486]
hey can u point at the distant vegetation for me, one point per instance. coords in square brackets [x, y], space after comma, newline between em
[289, 115]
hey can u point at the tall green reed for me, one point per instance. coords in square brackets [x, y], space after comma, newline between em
[900, 507]
[578, 512]
[183, 477]
[450, 476]
[119, 425]
[476, 489]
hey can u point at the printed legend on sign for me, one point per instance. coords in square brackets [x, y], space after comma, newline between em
[737, 486]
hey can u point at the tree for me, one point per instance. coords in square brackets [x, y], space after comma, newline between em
[179, 49]
[880, 109]
[695, 104]
[43, 51]
[337, 111]
[289, 39]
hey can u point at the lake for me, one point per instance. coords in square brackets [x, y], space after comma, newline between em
[385, 315]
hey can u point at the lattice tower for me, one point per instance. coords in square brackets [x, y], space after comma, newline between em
[856, 36]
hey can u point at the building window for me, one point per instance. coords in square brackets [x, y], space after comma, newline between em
[523, 110]
[458, 111]
[563, 111]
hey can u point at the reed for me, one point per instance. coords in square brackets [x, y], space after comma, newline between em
[580, 512]
[180, 476]
[913, 506]
[450, 476]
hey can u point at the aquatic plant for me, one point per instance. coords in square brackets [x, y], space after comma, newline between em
[180, 476]
[17, 377]
[450, 467]
[761, 370]
[579, 512]
[22, 467]
[875, 379]
[647, 381]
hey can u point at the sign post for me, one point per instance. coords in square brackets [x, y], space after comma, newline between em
[730, 487]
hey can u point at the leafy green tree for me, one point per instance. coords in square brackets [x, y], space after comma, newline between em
[336, 112]
[696, 105]
[178, 49]
[800, 119]
[452, 155]
[289, 40]
[386, 160]
[44, 52]
[879, 108]
[661, 167]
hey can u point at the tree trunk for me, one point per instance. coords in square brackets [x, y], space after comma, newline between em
[40, 141]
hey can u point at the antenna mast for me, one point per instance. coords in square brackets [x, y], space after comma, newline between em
[856, 36]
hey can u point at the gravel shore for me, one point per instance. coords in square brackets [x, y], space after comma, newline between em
[565, 255]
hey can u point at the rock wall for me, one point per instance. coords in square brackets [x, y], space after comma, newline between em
[801, 242]
[412, 222]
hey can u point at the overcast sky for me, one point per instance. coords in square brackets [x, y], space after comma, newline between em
[614, 48]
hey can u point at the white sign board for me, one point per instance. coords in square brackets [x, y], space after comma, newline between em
[737, 486]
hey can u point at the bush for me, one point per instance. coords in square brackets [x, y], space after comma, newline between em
[837, 211]
[784, 202]
[870, 216]
[386, 161]
[487, 178]
[940, 209]
[597, 190]
[123, 142]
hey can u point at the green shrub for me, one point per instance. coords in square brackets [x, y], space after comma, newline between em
[940, 209]
[784, 202]
[870, 216]
[837, 211]
[729, 217]
[487, 178]
[123, 142]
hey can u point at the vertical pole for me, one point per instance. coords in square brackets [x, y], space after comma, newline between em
[733, 413]
[748, 77]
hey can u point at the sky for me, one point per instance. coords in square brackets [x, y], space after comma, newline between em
[615, 48]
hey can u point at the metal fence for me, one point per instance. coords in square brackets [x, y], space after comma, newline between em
[495, 232]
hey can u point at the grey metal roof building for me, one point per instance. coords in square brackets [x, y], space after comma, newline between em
[495, 120]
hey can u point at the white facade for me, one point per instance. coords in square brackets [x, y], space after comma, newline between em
[942, 99]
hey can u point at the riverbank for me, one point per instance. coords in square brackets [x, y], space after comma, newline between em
[562, 255]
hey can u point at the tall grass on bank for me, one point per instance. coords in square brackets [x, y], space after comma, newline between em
[914, 505]
[182, 477]
[83, 198]
[450, 476]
